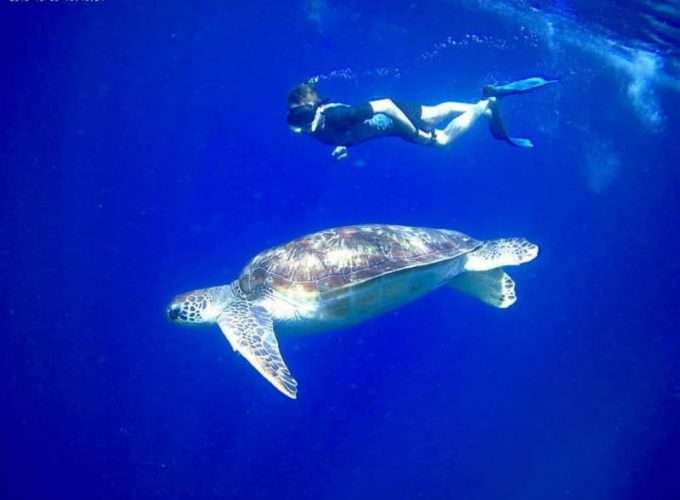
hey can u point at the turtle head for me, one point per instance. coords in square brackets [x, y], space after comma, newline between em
[200, 306]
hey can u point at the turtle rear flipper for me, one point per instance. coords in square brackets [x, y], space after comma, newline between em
[249, 328]
[493, 287]
[499, 253]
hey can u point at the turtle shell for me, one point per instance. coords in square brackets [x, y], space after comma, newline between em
[347, 256]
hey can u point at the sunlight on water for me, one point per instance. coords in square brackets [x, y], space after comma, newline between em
[644, 71]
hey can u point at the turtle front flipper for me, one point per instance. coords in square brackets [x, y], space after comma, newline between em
[493, 287]
[250, 331]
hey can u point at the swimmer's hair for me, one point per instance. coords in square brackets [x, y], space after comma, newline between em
[302, 94]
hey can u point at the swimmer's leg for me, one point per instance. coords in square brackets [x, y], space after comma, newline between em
[443, 111]
[460, 125]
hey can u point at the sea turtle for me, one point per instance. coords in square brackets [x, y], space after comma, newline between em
[341, 276]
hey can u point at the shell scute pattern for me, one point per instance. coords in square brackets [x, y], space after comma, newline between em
[343, 256]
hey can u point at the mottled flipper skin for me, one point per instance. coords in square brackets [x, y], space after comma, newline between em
[250, 331]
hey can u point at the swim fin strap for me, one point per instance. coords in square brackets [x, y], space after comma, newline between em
[518, 87]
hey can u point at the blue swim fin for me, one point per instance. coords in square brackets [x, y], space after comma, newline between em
[518, 87]
[498, 129]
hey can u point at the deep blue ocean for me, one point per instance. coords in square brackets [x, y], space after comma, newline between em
[144, 152]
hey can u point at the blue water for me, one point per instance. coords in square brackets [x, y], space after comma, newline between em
[144, 152]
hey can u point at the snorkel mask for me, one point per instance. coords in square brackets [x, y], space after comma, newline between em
[301, 118]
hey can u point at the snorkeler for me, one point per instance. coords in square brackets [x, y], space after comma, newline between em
[342, 125]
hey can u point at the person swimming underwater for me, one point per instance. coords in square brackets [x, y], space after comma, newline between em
[342, 125]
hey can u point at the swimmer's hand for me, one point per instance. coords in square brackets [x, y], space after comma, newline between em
[339, 153]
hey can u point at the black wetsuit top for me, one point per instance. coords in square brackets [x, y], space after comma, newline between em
[345, 125]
